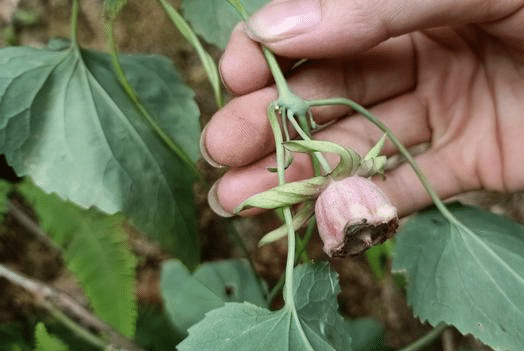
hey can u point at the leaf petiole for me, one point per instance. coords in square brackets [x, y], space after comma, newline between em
[208, 63]
[74, 21]
[133, 96]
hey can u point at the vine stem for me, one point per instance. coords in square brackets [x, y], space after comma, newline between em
[288, 293]
[426, 339]
[133, 96]
[402, 149]
[206, 60]
[49, 298]
[74, 21]
[321, 159]
[301, 249]
[291, 244]
[75, 328]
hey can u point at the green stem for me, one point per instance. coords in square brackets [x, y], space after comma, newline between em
[426, 339]
[74, 21]
[402, 149]
[208, 63]
[133, 96]
[278, 75]
[290, 264]
[239, 7]
[75, 328]
[301, 248]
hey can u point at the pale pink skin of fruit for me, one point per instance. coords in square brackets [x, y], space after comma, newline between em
[346, 202]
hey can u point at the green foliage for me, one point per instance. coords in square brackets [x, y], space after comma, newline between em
[16, 336]
[189, 297]
[5, 188]
[154, 331]
[470, 278]
[66, 122]
[244, 326]
[367, 335]
[95, 250]
[46, 342]
[215, 19]
[72, 340]
[378, 255]
[315, 289]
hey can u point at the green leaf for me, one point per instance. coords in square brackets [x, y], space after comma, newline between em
[5, 189]
[470, 275]
[315, 289]
[286, 194]
[244, 326]
[154, 331]
[215, 19]
[16, 336]
[366, 335]
[46, 342]
[66, 122]
[378, 255]
[95, 250]
[72, 340]
[189, 297]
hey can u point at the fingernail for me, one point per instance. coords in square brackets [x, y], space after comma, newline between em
[284, 19]
[203, 150]
[212, 199]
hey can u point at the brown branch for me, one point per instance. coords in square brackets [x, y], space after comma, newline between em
[48, 296]
[58, 303]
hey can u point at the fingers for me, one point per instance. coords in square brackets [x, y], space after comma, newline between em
[244, 69]
[242, 66]
[326, 28]
[239, 133]
[401, 185]
[405, 115]
[406, 192]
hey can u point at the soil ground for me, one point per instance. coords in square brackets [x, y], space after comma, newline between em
[147, 30]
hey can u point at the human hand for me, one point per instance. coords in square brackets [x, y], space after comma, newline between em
[444, 72]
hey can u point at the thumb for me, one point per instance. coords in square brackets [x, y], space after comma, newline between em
[323, 28]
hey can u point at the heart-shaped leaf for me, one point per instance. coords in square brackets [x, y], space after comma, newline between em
[66, 122]
[188, 297]
[469, 274]
[314, 325]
